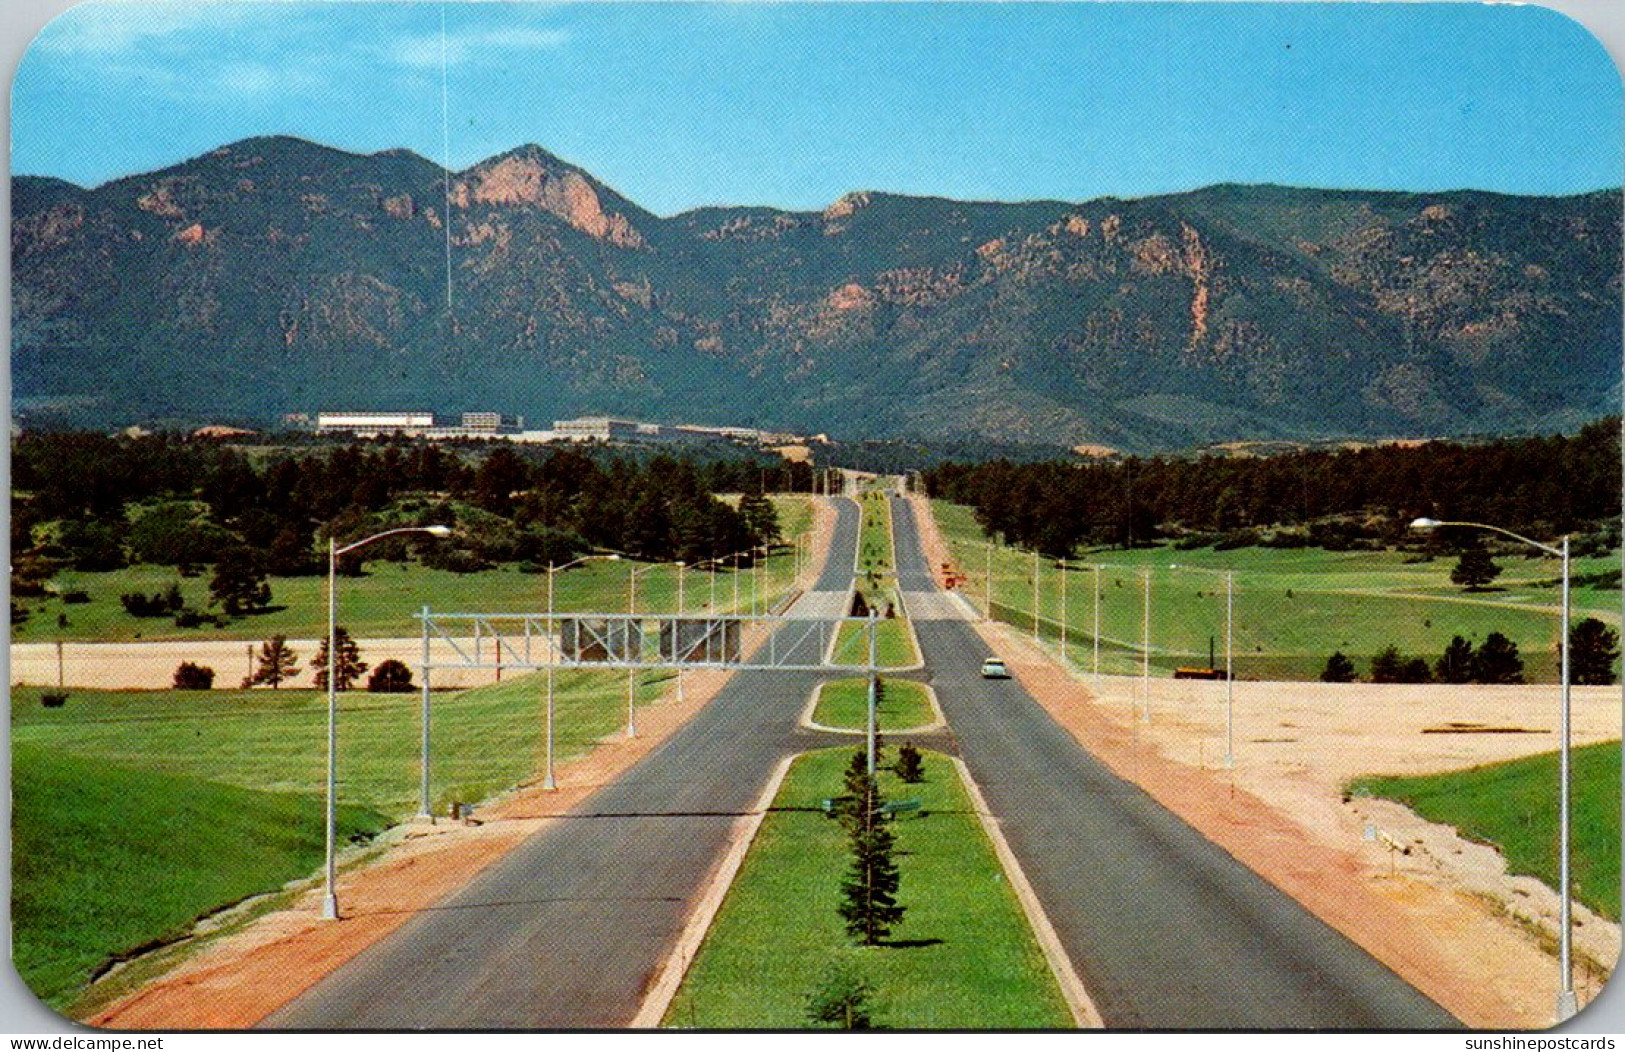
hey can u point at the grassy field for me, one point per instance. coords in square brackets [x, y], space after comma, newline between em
[845, 703]
[484, 740]
[962, 957]
[107, 859]
[1292, 607]
[384, 602]
[182, 802]
[1513, 805]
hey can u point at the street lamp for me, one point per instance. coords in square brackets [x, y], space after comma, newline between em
[677, 630]
[1035, 595]
[330, 901]
[1145, 649]
[631, 627]
[548, 781]
[1229, 657]
[1567, 1004]
[1098, 571]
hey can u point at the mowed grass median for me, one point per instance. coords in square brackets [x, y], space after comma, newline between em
[844, 703]
[1513, 805]
[963, 956]
[139, 812]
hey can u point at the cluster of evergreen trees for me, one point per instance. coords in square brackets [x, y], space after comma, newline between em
[96, 502]
[1593, 649]
[1539, 486]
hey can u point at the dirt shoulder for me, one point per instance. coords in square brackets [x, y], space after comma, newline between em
[235, 981]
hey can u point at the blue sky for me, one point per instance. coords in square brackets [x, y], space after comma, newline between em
[680, 105]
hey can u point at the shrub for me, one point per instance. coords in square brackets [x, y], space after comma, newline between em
[76, 596]
[908, 767]
[1497, 661]
[54, 699]
[1593, 649]
[1456, 664]
[1339, 669]
[189, 676]
[845, 999]
[1389, 667]
[390, 677]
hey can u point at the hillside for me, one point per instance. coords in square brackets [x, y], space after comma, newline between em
[276, 275]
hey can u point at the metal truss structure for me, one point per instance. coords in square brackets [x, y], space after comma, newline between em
[646, 641]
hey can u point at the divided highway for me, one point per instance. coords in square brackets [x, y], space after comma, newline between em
[568, 930]
[1165, 928]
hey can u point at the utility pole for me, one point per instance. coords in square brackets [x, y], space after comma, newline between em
[1035, 595]
[873, 685]
[1145, 651]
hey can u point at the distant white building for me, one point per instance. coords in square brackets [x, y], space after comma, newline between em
[609, 429]
[369, 424]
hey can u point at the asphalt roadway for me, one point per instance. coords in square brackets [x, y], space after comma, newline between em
[1166, 930]
[568, 929]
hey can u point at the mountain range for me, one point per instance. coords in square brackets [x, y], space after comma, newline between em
[276, 275]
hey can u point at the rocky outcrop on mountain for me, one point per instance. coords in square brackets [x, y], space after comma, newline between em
[275, 275]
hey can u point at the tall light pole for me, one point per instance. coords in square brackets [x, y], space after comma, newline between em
[548, 781]
[988, 577]
[631, 627]
[1567, 1003]
[1035, 595]
[1097, 570]
[1061, 566]
[330, 900]
[677, 630]
[1145, 649]
[1229, 657]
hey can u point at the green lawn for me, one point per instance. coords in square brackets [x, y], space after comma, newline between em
[1513, 805]
[484, 740]
[893, 646]
[107, 859]
[845, 703]
[197, 776]
[1293, 607]
[383, 603]
[962, 957]
[874, 534]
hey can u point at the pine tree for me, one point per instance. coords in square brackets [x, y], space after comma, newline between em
[869, 890]
[350, 665]
[909, 767]
[1339, 669]
[1474, 570]
[239, 582]
[1497, 661]
[1456, 664]
[1593, 649]
[277, 662]
[844, 999]
[1387, 666]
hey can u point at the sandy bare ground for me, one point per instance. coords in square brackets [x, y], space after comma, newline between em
[235, 981]
[151, 666]
[1445, 916]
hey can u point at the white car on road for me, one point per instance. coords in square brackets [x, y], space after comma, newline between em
[993, 668]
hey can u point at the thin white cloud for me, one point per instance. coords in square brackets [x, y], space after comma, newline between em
[464, 45]
[114, 27]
